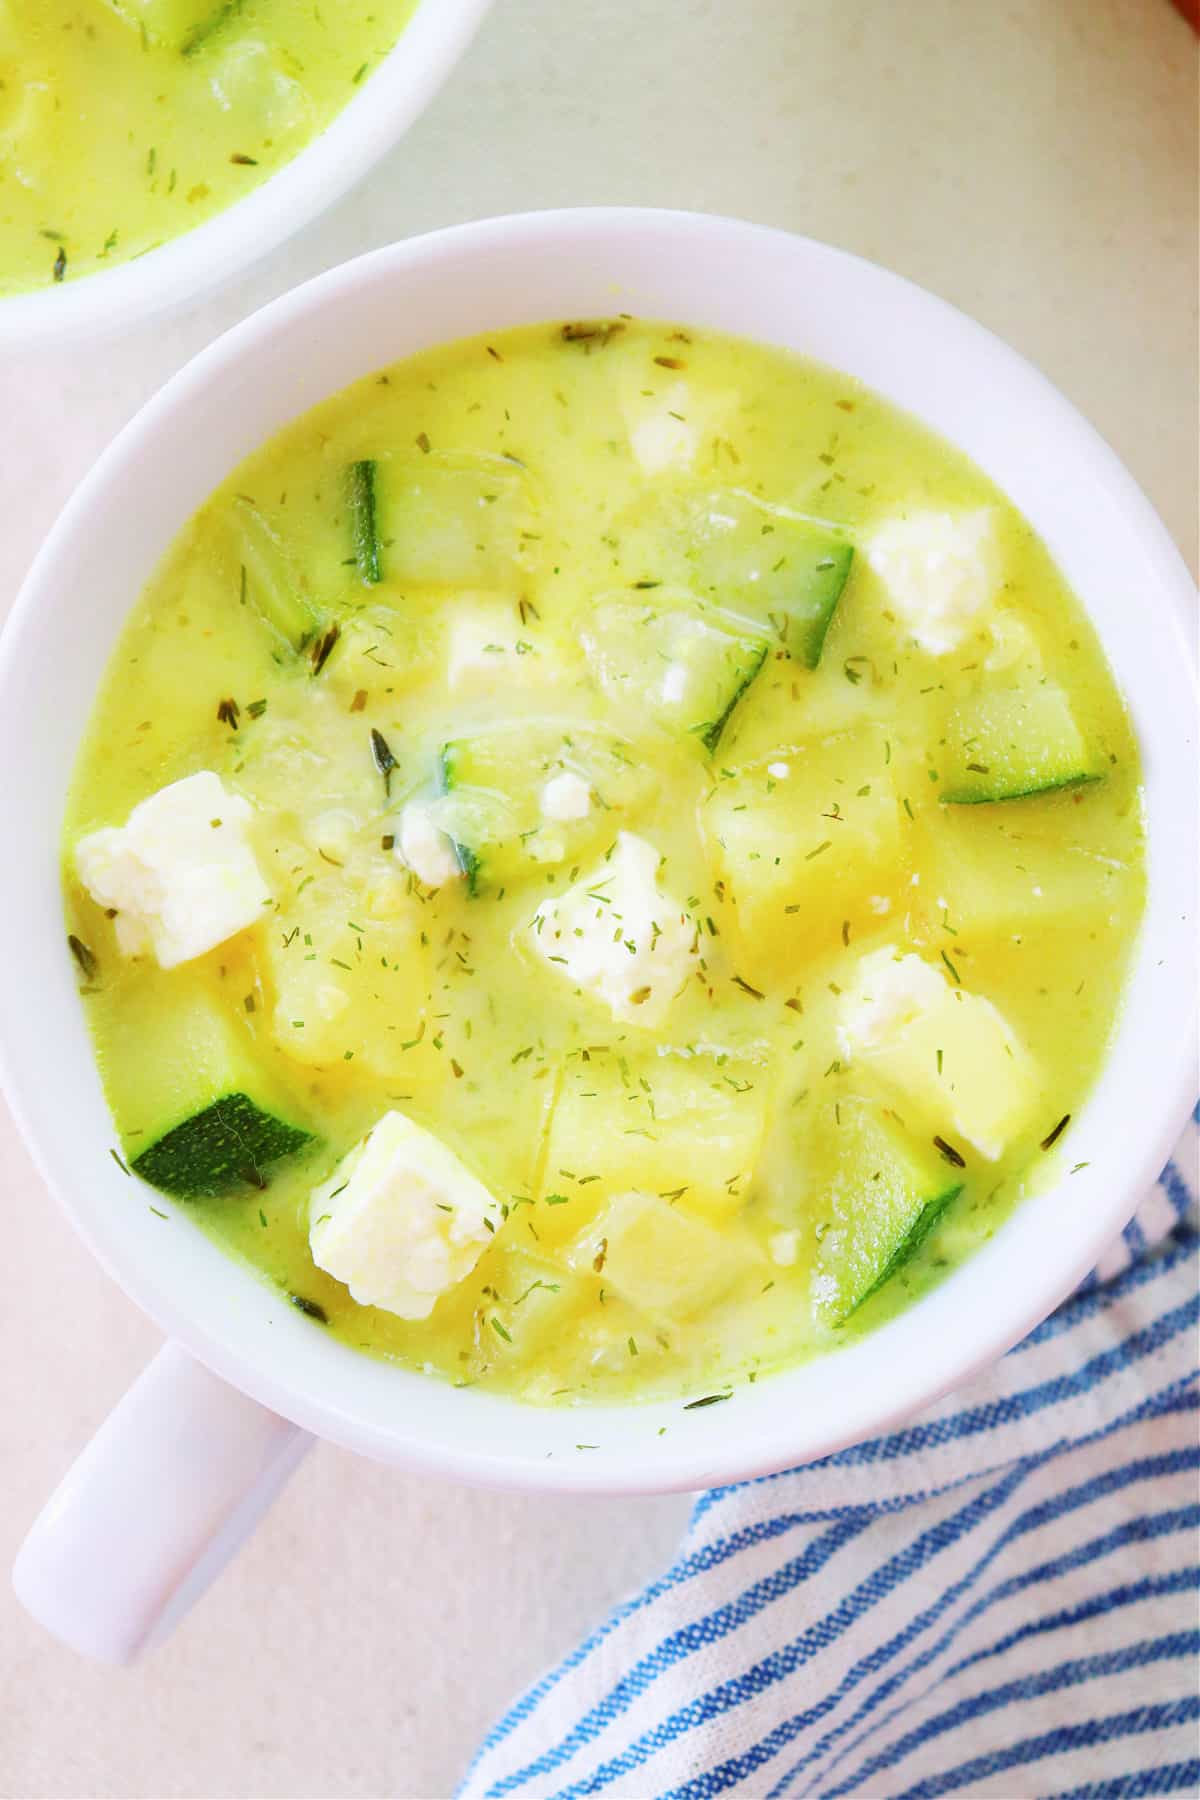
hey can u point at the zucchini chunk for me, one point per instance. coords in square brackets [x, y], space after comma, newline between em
[346, 979]
[666, 1265]
[777, 569]
[782, 572]
[268, 578]
[883, 1195]
[990, 876]
[181, 25]
[803, 844]
[685, 664]
[505, 788]
[528, 1300]
[197, 1113]
[1014, 743]
[669, 1124]
[458, 520]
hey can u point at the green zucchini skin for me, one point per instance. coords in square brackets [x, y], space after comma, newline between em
[929, 1216]
[710, 735]
[364, 521]
[1013, 744]
[974, 796]
[269, 580]
[819, 589]
[229, 1144]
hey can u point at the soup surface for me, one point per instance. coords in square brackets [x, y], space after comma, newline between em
[125, 122]
[604, 861]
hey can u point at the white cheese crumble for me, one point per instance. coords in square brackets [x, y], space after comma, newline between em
[428, 852]
[668, 427]
[780, 771]
[487, 647]
[618, 936]
[400, 1220]
[784, 1248]
[939, 570]
[566, 796]
[950, 1052]
[663, 438]
[180, 873]
[674, 684]
[889, 992]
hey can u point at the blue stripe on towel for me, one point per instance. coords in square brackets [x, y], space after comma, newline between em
[1024, 1553]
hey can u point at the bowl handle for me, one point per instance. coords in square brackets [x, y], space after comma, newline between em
[173, 1482]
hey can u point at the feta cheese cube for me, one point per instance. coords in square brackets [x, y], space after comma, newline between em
[401, 1220]
[618, 936]
[674, 684]
[890, 991]
[566, 796]
[663, 439]
[784, 1248]
[425, 849]
[668, 426]
[180, 873]
[487, 648]
[951, 1053]
[939, 570]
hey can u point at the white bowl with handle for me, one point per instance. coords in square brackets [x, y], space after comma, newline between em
[188, 1461]
[197, 261]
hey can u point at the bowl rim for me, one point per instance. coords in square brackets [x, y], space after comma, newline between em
[771, 1436]
[196, 263]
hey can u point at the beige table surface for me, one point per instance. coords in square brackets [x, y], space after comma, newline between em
[1033, 161]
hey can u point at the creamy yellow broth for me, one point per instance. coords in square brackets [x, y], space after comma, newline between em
[125, 122]
[513, 514]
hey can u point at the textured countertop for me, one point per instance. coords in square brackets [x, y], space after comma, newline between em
[1033, 162]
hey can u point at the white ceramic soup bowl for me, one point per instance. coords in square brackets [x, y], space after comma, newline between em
[185, 267]
[203, 1441]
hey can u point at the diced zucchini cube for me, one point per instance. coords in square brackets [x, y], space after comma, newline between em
[667, 1265]
[174, 23]
[1010, 743]
[950, 1056]
[456, 519]
[346, 980]
[780, 570]
[262, 572]
[526, 1301]
[671, 1125]
[498, 811]
[194, 1093]
[805, 847]
[381, 650]
[984, 876]
[879, 1195]
[683, 664]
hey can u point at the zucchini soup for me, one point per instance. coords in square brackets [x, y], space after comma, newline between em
[603, 863]
[125, 122]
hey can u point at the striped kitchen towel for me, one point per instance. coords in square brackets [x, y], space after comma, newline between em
[999, 1599]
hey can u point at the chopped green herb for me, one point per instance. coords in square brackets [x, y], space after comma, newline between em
[312, 1309]
[385, 762]
[1053, 1136]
